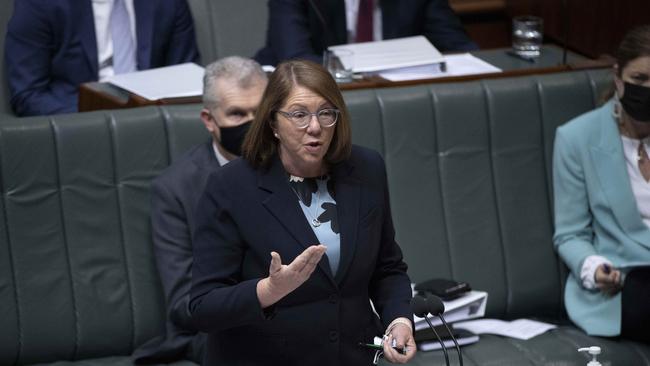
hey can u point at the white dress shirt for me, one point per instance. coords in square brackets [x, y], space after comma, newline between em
[640, 187]
[220, 158]
[102, 13]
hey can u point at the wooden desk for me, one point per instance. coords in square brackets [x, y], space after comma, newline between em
[97, 95]
[550, 61]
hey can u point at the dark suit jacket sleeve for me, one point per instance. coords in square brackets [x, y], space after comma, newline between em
[29, 46]
[390, 288]
[443, 28]
[220, 299]
[182, 44]
[289, 34]
[173, 249]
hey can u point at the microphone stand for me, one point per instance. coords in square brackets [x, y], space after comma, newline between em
[326, 29]
[460, 355]
[442, 344]
[565, 31]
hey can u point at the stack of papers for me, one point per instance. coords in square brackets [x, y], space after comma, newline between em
[456, 65]
[409, 58]
[184, 80]
[469, 306]
[390, 54]
[521, 328]
[463, 338]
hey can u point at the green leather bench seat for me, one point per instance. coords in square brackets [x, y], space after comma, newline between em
[77, 273]
[469, 174]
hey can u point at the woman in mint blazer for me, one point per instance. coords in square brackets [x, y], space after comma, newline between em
[601, 177]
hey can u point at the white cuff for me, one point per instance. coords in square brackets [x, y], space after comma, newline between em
[404, 321]
[588, 270]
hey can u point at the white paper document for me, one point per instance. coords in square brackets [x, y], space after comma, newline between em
[469, 306]
[520, 328]
[184, 80]
[390, 54]
[457, 65]
[434, 345]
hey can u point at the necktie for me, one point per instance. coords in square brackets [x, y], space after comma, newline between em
[364, 21]
[123, 45]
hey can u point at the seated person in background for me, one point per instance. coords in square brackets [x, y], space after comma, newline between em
[232, 89]
[303, 29]
[263, 288]
[601, 179]
[53, 46]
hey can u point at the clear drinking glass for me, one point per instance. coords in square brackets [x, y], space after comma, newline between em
[527, 35]
[339, 63]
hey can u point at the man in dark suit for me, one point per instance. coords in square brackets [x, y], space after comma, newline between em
[53, 46]
[304, 28]
[232, 91]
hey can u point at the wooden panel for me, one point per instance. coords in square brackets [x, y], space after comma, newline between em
[477, 6]
[494, 33]
[523, 7]
[595, 26]
[485, 21]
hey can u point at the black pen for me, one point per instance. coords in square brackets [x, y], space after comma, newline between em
[521, 57]
[607, 268]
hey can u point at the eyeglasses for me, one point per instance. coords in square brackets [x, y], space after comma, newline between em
[326, 117]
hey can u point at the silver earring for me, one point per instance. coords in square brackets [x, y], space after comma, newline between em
[616, 111]
[276, 134]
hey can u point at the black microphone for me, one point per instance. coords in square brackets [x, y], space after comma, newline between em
[420, 307]
[437, 308]
[327, 39]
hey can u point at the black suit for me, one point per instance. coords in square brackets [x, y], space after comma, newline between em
[245, 214]
[175, 194]
[296, 31]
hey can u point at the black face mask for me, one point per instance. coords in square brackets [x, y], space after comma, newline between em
[636, 102]
[233, 137]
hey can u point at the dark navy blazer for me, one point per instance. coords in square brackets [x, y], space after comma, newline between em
[175, 193]
[243, 215]
[296, 29]
[51, 48]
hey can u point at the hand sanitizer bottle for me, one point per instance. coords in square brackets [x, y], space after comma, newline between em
[594, 352]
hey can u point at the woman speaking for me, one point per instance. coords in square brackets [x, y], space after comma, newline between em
[295, 240]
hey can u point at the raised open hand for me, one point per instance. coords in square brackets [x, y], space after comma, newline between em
[284, 278]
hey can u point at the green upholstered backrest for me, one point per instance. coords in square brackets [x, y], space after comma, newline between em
[6, 10]
[469, 176]
[77, 273]
[469, 171]
[229, 27]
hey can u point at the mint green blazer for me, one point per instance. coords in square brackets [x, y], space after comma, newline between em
[595, 213]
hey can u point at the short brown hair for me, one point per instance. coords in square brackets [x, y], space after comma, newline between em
[260, 145]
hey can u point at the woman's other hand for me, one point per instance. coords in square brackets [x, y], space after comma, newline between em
[608, 279]
[283, 278]
[403, 336]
